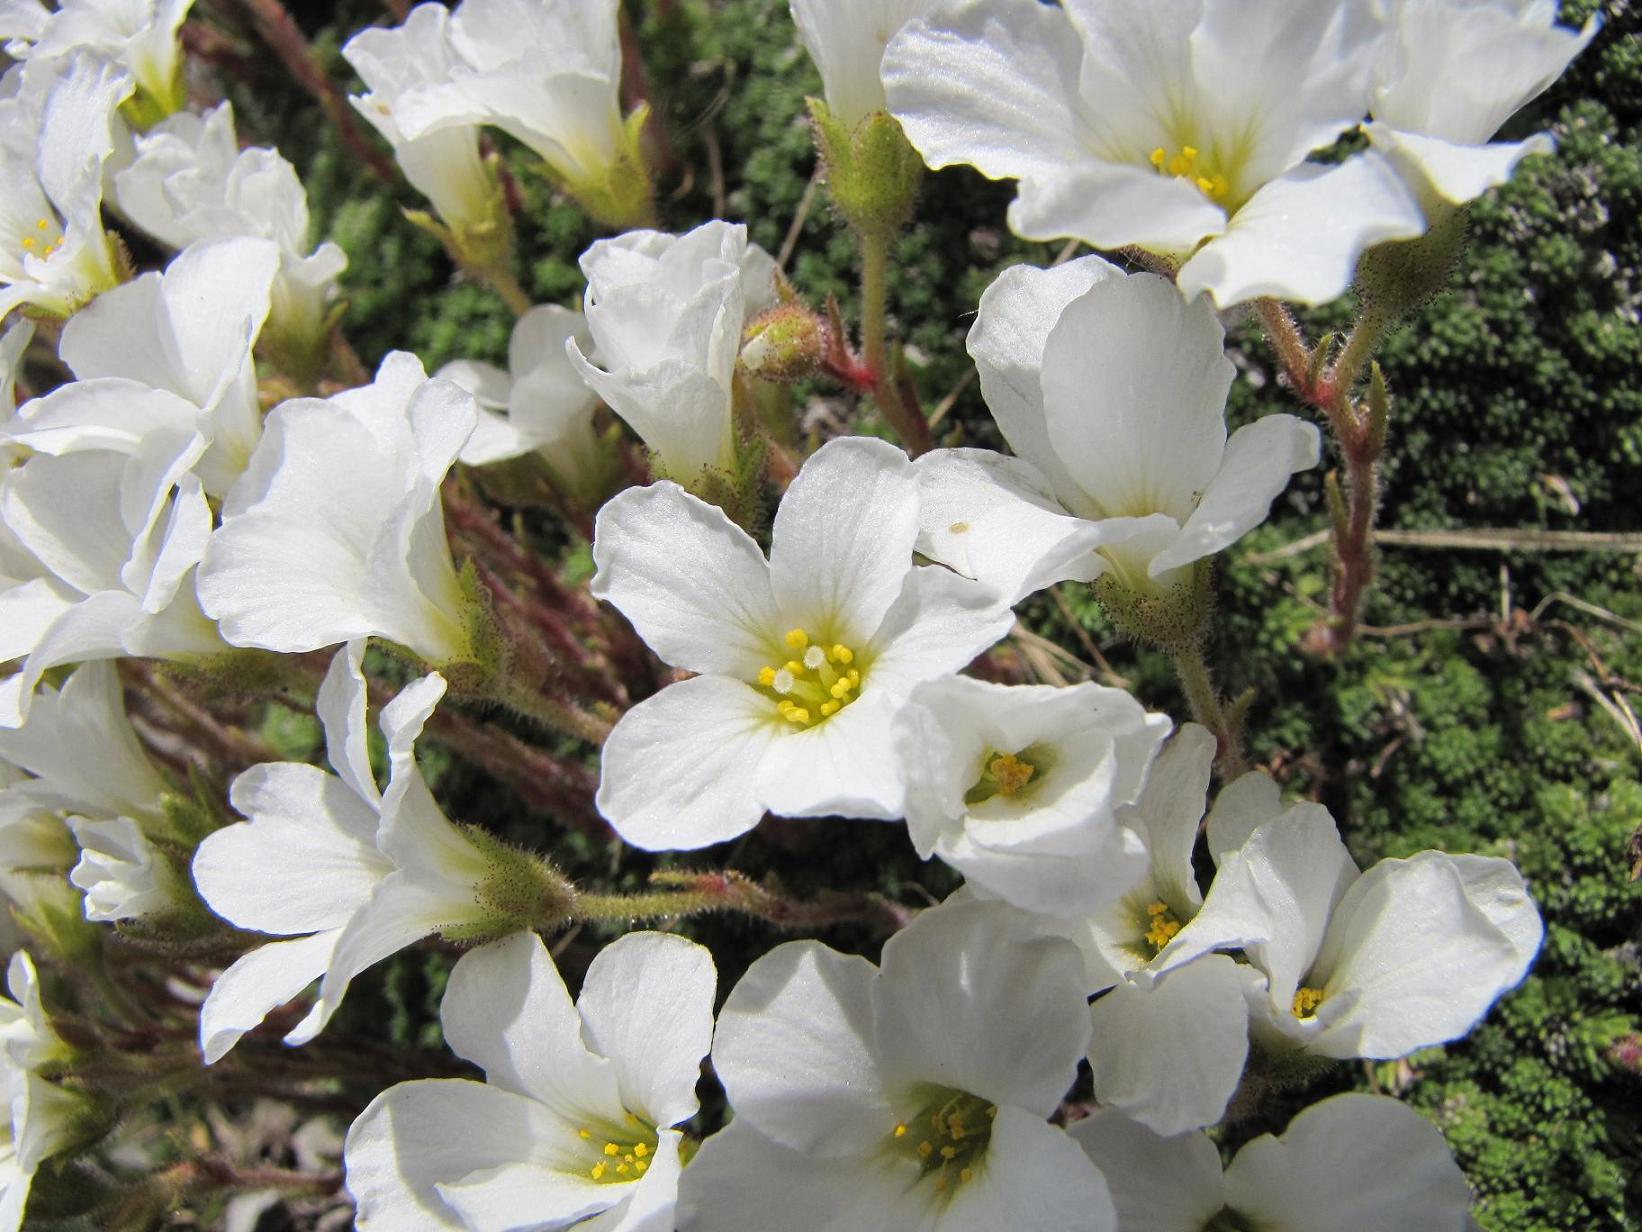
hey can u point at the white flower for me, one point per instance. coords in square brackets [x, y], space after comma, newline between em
[1450, 73]
[846, 39]
[444, 164]
[1352, 1163]
[913, 1095]
[140, 36]
[549, 409]
[1019, 788]
[349, 873]
[336, 530]
[190, 181]
[1378, 964]
[667, 313]
[548, 73]
[804, 658]
[1111, 390]
[575, 1123]
[189, 331]
[1164, 126]
[123, 875]
[57, 126]
[109, 506]
[41, 1117]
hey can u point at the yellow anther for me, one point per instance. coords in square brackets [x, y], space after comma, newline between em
[901, 1130]
[28, 242]
[798, 715]
[842, 654]
[1189, 153]
[766, 676]
[641, 1150]
[1158, 157]
[926, 1148]
[955, 1126]
[42, 224]
[623, 1169]
[966, 1174]
[828, 709]
[841, 687]
[1306, 1001]
[610, 1148]
[947, 1152]
[854, 676]
[1163, 927]
[1156, 908]
[796, 639]
[793, 666]
[598, 1171]
[642, 1166]
[992, 1112]
[1011, 773]
[582, 1133]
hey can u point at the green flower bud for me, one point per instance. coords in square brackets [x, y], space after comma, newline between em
[873, 173]
[783, 344]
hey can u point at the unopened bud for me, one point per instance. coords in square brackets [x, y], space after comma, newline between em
[872, 172]
[520, 890]
[783, 344]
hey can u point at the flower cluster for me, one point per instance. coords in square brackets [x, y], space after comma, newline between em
[209, 505]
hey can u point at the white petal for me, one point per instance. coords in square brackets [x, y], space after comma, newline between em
[695, 586]
[28, 610]
[846, 40]
[258, 983]
[995, 519]
[1017, 313]
[1496, 888]
[1033, 1178]
[795, 1051]
[1254, 470]
[1241, 807]
[506, 1009]
[1456, 172]
[992, 84]
[937, 626]
[963, 977]
[305, 860]
[1418, 962]
[341, 705]
[1134, 385]
[1159, 1184]
[681, 769]
[417, 1134]
[1171, 1055]
[1300, 236]
[647, 1004]
[1170, 809]
[1353, 1163]
[843, 538]
[843, 766]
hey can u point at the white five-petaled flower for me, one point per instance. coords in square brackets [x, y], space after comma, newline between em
[1019, 788]
[348, 873]
[1111, 390]
[805, 658]
[1352, 1163]
[1376, 964]
[1163, 126]
[911, 1095]
[57, 130]
[336, 530]
[140, 36]
[1449, 74]
[189, 331]
[667, 313]
[846, 39]
[190, 181]
[549, 410]
[575, 1123]
[443, 164]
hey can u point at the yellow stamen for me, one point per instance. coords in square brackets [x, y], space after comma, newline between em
[1306, 1001]
[598, 1171]
[842, 654]
[1012, 773]
[796, 639]
[1158, 157]
[901, 1130]
[810, 688]
[641, 1150]
[766, 676]
[1163, 927]
[610, 1148]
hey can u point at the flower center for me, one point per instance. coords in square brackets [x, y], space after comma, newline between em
[46, 239]
[1306, 1001]
[620, 1154]
[815, 684]
[1188, 164]
[947, 1136]
[1161, 925]
[1006, 775]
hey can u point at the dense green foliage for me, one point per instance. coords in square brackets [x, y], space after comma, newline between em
[1473, 715]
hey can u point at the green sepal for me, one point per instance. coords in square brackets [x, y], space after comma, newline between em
[873, 173]
[1397, 279]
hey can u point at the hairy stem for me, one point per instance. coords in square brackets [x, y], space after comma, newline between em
[908, 420]
[1192, 670]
